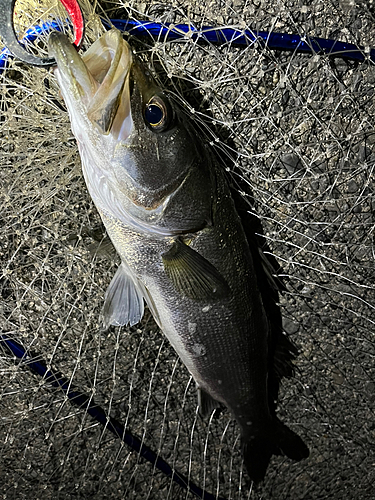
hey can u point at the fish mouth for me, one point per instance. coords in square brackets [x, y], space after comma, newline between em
[98, 82]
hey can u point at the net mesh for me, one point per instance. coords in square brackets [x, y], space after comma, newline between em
[299, 132]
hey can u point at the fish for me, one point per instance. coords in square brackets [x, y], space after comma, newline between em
[186, 243]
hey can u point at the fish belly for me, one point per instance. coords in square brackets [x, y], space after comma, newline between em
[222, 342]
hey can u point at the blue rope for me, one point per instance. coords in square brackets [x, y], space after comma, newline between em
[87, 403]
[223, 36]
[31, 35]
[244, 38]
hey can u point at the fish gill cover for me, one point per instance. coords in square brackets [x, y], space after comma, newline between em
[299, 131]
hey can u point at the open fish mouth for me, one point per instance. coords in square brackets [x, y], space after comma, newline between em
[96, 85]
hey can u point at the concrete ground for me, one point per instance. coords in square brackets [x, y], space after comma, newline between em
[302, 132]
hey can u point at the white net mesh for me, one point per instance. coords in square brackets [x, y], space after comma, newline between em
[300, 131]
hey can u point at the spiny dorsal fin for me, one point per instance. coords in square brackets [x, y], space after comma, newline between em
[281, 350]
[192, 275]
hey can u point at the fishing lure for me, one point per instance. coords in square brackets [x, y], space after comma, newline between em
[10, 39]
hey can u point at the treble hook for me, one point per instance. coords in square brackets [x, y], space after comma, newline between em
[10, 39]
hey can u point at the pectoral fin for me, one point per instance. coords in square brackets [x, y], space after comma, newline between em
[123, 302]
[192, 275]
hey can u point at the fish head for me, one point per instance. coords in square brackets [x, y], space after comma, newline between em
[135, 145]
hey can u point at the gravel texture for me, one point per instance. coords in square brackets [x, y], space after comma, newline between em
[300, 131]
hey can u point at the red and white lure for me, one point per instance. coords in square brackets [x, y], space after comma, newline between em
[16, 48]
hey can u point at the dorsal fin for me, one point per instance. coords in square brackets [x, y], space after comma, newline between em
[282, 351]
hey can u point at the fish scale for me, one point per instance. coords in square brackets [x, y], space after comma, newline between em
[186, 247]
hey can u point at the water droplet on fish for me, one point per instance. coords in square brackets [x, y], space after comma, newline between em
[192, 327]
[199, 349]
[206, 308]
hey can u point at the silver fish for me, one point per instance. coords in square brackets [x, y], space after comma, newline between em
[170, 214]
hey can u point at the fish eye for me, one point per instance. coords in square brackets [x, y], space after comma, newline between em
[157, 114]
[154, 114]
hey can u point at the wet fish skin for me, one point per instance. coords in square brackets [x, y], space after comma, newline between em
[169, 212]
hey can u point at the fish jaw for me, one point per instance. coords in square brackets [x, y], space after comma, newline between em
[96, 91]
[113, 139]
[95, 87]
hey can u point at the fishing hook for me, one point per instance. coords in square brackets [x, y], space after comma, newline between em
[18, 50]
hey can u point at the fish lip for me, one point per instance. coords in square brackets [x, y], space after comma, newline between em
[99, 80]
[69, 64]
